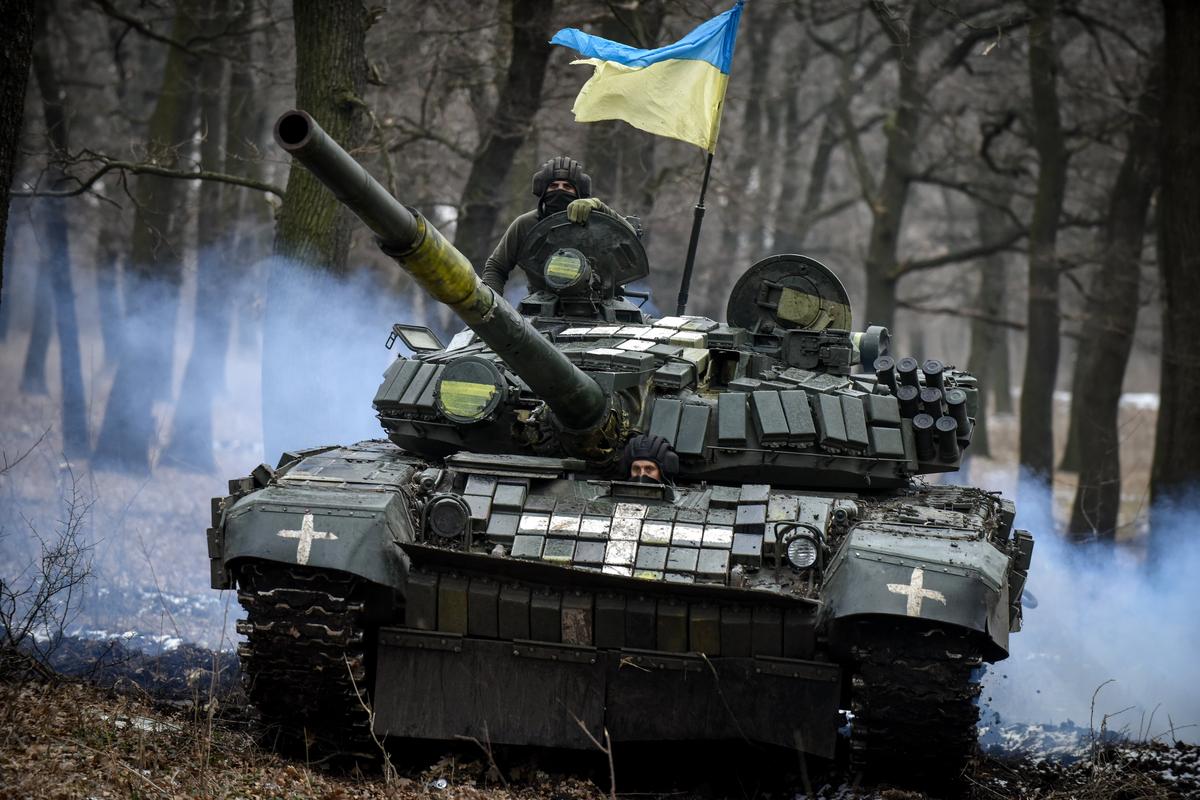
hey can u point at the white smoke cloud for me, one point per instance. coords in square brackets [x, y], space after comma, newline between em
[1107, 620]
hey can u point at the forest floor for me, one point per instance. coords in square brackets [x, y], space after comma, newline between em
[67, 739]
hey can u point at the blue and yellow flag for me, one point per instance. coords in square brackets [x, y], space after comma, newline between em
[676, 91]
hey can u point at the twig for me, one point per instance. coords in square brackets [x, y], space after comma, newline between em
[605, 748]
[1092, 715]
[487, 751]
[124, 766]
[108, 165]
[11, 465]
[724, 702]
[389, 771]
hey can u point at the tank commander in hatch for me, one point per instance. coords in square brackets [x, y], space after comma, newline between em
[559, 185]
[649, 459]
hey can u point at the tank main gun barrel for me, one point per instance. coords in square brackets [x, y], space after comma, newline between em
[575, 398]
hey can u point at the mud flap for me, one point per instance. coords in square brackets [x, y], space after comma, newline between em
[439, 686]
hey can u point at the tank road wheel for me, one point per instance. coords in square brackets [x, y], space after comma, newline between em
[304, 657]
[914, 704]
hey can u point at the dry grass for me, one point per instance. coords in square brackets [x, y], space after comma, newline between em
[61, 740]
[73, 741]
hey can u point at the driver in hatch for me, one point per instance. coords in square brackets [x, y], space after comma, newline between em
[560, 185]
[649, 459]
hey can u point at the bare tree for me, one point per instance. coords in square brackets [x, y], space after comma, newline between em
[505, 132]
[191, 442]
[56, 253]
[1176, 467]
[1041, 363]
[153, 272]
[988, 358]
[1108, 329]
[16, 46]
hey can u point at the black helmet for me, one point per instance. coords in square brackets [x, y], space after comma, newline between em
[649, 447]
[562, 168]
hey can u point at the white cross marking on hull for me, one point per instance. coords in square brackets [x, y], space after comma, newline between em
[305, 537]
[916, 592]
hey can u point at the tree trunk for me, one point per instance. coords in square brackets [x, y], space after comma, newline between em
[887, 204]
[1176, 468]
[191, 443]
[1069, 462]
[5, 306]
[56, 254]
[331, 75]
[760, 30]
[152, 276]
[312, 234]
[785, 234]
[33, 373]
[1002, 402]
[819, 175]
[519, 101]
[1041, 361]
[988, 357]
[107, 258]
[16, 49]
[1112, 317]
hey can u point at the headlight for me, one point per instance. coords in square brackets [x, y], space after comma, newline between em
[447, 518]
[802, 551]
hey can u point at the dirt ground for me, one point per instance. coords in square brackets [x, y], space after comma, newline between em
[73, 741]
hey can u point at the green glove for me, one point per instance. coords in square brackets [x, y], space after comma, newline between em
[579, 210]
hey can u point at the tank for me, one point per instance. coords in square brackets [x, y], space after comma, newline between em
[486, 571]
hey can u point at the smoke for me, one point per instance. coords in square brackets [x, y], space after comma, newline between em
[323, 337]
[323, 355]
[1108, 624]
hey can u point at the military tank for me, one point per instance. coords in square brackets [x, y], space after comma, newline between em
[485, 571]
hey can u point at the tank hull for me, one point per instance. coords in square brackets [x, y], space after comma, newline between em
[554, 649]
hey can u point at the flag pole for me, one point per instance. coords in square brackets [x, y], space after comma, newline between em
[697, 221]
[689, 265]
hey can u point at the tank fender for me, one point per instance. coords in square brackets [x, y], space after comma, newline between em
[359, 532]
[955, 581]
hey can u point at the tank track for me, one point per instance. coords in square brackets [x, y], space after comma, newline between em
[913, 698]
[304, 656]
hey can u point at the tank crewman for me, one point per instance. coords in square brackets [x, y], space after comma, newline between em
[649, 459]
[559, 185]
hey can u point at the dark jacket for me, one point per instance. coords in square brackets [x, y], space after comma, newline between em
[504, 258]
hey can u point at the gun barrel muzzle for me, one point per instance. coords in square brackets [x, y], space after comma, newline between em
[300, 135]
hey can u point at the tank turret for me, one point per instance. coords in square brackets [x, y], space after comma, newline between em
[576, 399]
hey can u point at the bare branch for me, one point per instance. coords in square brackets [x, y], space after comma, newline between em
[958, 256]
[606, 749]
[963, 312]
[141, 27]
[108, 165]
[10, 465]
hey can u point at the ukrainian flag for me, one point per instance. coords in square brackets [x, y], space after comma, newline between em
[676, 91]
